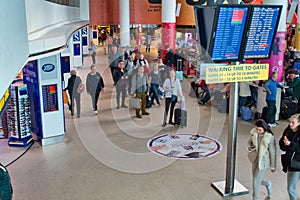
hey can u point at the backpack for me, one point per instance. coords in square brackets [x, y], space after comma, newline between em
[5, 184]
[246, 113]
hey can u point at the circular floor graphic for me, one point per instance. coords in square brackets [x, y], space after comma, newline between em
[184, 146]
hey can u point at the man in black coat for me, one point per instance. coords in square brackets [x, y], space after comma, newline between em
[73, 84]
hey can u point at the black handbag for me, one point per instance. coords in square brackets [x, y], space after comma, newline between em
[285, 161]
[295, 163]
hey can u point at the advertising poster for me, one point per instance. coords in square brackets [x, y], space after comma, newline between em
[277, 55]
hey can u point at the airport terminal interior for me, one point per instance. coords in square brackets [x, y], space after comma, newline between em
[52, 151]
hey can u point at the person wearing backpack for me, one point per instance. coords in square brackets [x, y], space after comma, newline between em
[262, 155]
[290, 143]
[94, 85]
[73, 85]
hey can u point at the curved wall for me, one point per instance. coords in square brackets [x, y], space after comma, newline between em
[41, 14]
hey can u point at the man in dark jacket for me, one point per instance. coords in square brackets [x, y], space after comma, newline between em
[169, 58]
[295, 84]
[121, 83]
[73, 84]
[94, 85]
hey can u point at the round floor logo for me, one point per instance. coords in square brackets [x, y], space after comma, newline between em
[184, 146]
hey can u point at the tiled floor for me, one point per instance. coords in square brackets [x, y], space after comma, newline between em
[105, 157]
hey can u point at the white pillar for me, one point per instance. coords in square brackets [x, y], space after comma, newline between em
[168, 22]
[84, 10]
[125, 22]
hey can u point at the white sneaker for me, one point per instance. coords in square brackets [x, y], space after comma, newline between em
[96, 112]
[272, 125]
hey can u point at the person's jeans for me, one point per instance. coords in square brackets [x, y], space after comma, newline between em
[121, 89]
[94, 57]
[154, 93]
[142, 96]
[148, 48]
[258, 180]
[168, 102]
[77, 99]
[95, 97]
[271, 111]
[292, 181]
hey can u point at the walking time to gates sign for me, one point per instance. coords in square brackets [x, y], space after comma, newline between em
[236, 73]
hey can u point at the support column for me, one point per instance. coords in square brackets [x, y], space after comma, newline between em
[125, 23]
[168, 25]
[298, 32]
[277, 57]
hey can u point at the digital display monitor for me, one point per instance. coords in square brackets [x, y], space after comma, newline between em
[204, 17]
[261, 31]
[228, 34]
[50, 97]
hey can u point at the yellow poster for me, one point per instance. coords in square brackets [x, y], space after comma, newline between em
[236, 73]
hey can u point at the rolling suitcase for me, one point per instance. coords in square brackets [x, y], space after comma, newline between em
[246, 113]
[180, 117]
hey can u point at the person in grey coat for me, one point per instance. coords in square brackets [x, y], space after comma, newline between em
[262, 154]
[140, 89]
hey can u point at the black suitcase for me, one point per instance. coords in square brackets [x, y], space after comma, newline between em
[264, 113]
[287, 109]
[180, 117]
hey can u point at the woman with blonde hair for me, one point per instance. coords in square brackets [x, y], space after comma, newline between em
[290, 143]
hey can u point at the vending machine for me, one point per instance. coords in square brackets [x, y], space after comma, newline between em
[18, 117]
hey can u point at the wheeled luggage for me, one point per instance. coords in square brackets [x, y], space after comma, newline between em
[180, 117]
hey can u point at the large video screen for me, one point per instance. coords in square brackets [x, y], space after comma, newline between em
[204, 17]
[261, 31]
[228, 34]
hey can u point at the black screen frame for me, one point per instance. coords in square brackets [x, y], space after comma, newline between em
[212, 42]
[243, 50]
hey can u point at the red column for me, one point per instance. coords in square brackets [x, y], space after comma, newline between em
[168, 25]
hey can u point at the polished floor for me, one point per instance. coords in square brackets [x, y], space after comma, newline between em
[104, 156]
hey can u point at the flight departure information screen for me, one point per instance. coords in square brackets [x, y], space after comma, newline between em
[261, 32]
[229, 33]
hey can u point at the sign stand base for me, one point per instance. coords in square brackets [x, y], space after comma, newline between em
[238, 189]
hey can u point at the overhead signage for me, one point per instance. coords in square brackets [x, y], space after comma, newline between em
[262, 30]
[76, 36]
[228, 33]
[236, 73]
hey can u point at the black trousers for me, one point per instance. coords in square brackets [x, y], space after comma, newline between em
[271, 111]
[169, 102]
[95, 97]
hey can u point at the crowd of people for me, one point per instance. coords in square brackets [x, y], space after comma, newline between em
[134, 78]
